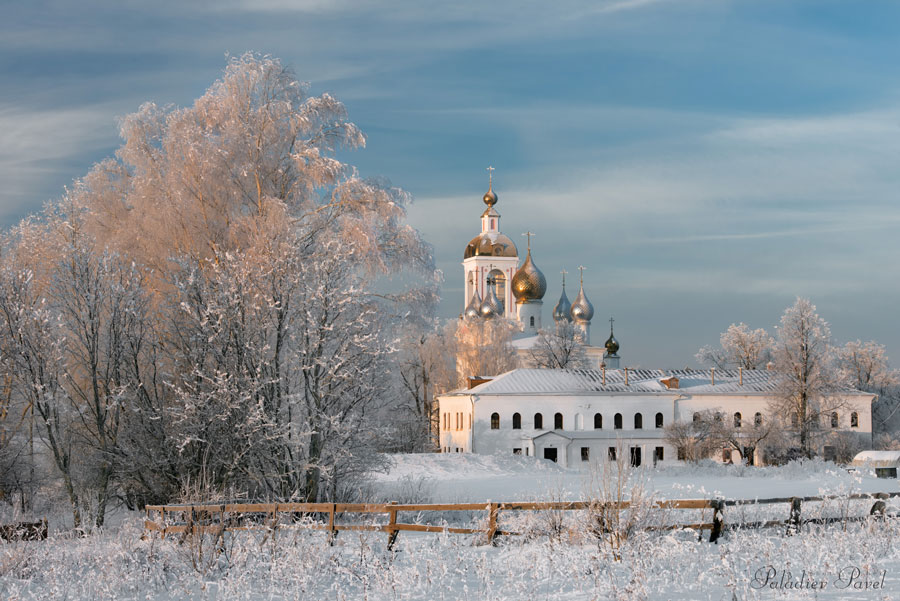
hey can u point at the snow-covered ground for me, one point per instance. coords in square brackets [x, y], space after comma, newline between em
[461, 477]
[557, 559]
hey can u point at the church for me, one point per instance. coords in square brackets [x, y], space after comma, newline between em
[575, 416]
[497, 287]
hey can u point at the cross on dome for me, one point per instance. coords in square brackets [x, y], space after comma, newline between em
[529, 235]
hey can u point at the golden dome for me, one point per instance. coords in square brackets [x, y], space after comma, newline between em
[490, 244]
[529, 283]
[582, 309]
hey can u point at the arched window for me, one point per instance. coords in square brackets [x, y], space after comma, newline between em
[538, 421]
[557, 422]
[757, 419]
[531, 321]
[617, 421]
[598, 421]
[854, 420]
[834, 420]
[737, 419]
[517, 421]
[579, 421]
[638, 421]
[696, 417]
[659, 420]
[795, 421]
[495, 421]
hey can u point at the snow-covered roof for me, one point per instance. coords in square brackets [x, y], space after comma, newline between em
[877, 459]
[642, 381]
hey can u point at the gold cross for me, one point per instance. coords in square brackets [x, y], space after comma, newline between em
[529, 235]
[564, 272]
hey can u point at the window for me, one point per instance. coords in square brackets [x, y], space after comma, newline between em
[795, 421]
[757, 419]
[829, 453]
[638, 421]
[517, 421]
[446, 421]
[726, 455]
[557, 421]
[718, 416]
[682, 454]
[531, 321]
[495, 421]
[598, 421]
[538, 421]
[617, 421]
[585, 453]
[470, 421]
[834, 420]
[611, 453]
[696, 417]
[635, 456]
[658, 454]
[854, 420]
[737, 419]
[517, 451]
[659, 420]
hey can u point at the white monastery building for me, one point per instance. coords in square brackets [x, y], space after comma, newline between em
[574, 416]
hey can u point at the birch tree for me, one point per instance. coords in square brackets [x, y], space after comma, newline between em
[559, 349]
[739, 346]
[810, 381]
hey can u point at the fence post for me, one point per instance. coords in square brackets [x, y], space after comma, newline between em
[493, 509]
[331, 529]
[392, 526]
[794, 522]
[717, 522]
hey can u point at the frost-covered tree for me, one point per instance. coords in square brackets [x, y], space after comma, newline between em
[560, 348]
[739, 346]
[426, 367]
[865, 366]
[483, 348]
[208, 304]
[810, 381]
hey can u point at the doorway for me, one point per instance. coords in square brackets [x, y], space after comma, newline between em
[550, 454]
[635, 456]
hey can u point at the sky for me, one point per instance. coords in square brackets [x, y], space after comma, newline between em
[707, 161]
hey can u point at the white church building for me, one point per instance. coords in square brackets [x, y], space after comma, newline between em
[574, 416]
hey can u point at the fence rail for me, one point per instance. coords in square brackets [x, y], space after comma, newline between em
[228, 517]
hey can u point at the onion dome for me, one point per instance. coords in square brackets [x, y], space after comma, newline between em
[491, 244]
[582, 309]
[528, 284]
[612, 345]
[473, 309]
[491, 306]
[562, 308]
[490, 197]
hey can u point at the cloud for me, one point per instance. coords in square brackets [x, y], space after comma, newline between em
[37, 146]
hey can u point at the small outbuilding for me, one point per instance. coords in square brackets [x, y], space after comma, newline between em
[885, 463]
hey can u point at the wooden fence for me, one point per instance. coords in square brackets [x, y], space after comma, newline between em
[229, 517]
